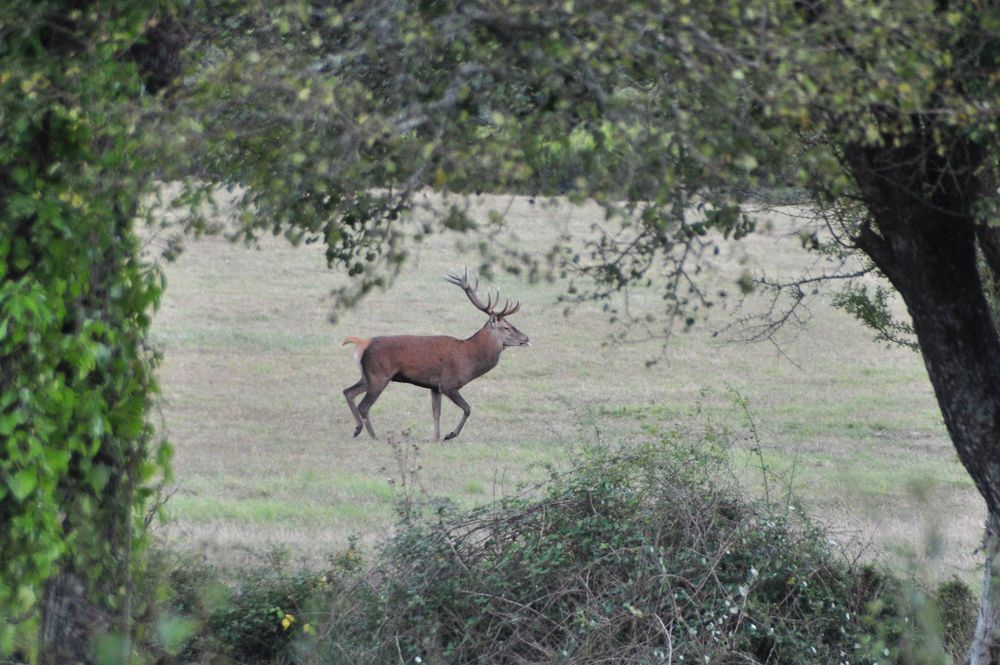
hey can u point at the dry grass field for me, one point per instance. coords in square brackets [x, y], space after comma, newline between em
[253, 373]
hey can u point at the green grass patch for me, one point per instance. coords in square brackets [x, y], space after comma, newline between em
[473, 487]
[271, 511]
[860, 477]
[308, 484]
[227, 337]
[657, 412]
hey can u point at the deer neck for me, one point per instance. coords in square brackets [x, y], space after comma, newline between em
[486, 347]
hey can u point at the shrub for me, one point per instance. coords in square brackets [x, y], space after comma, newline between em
[254, 614]
[957, 605]
[646, 556]
[649, 555]
[264, 611]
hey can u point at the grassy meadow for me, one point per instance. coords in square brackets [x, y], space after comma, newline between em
[253, 372]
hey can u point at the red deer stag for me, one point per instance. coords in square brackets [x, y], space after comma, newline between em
[439, 363]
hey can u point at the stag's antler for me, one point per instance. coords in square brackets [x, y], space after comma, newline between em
[470, 291]
[507, 308]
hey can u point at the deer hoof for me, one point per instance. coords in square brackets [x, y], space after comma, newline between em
[451, 436]
[357, 430]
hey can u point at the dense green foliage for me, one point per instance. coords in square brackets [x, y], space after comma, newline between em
[257, 618]
[645, 556]
[669, 114]
[76, 461]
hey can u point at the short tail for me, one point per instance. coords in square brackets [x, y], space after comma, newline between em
[360, 344]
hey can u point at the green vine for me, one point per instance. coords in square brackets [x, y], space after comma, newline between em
[77, 462]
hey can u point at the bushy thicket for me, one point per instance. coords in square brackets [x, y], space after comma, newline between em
[259, 613]
[640, 557]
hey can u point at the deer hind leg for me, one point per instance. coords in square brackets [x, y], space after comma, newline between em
[455, 397]
[375, 389]
[350, 393]
[436, 410]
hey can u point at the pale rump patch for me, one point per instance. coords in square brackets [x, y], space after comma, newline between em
[360, 344]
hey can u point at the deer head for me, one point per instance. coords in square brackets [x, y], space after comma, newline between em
[500, 329]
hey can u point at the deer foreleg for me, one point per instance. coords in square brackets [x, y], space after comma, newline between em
[455, 397]
[350, 393]
[436, 410]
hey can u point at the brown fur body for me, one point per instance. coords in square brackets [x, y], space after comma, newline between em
[440, 363]
[434, 361]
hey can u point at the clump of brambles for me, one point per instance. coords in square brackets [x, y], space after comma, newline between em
[646, 556]
[654, 555]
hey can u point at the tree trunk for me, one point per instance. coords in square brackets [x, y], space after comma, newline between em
[935, 271]
[985, 649]
[922, 236]
[70, 622]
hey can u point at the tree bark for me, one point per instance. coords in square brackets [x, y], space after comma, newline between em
[985, 650]
[922, 235]
[70, 622]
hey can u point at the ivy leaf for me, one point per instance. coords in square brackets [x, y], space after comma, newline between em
[56, 460]
[22, 483]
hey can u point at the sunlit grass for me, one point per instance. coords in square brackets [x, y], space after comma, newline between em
[253, 373]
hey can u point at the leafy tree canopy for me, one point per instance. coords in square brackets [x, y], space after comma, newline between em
[670, 114]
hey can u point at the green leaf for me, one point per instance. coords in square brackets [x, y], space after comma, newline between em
[97, 425]
[747, 162]
[98, 477]
[56, 460]
[173, 633]
[22, 483]
[26, 597]
[8, 422]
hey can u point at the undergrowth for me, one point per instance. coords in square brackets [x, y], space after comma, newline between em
[647, 555]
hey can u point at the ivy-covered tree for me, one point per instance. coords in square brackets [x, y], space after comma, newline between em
[78, 458]
[329, 117]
